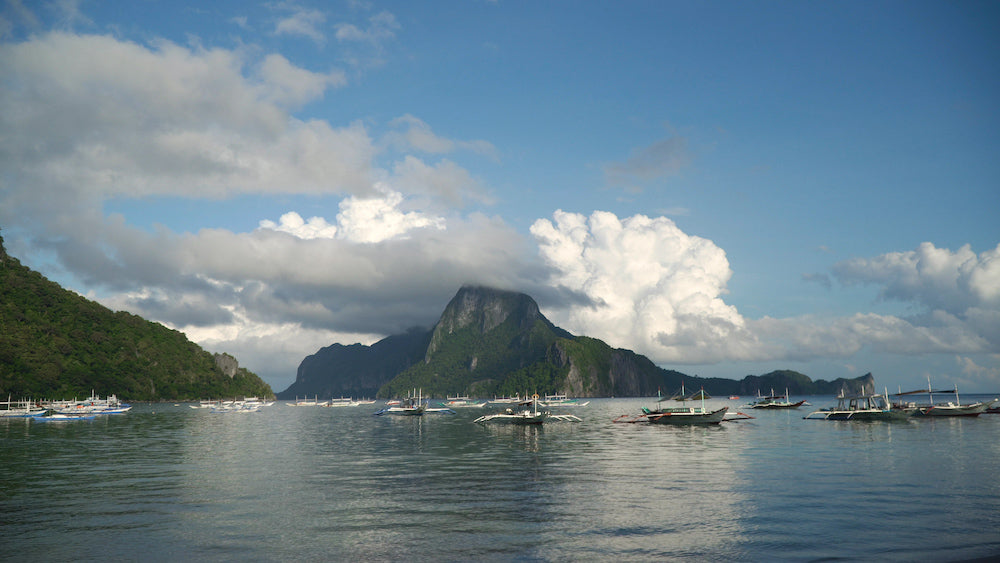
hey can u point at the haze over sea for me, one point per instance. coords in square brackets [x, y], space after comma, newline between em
[169, 483]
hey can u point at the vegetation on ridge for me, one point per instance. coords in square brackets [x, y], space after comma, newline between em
[57, 344]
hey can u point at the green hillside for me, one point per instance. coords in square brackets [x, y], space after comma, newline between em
[492, 342]
[57, 344]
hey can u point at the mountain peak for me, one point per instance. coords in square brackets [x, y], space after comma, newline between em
[487, 308]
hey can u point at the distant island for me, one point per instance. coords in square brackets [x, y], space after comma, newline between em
[490, 342]
[57, 344]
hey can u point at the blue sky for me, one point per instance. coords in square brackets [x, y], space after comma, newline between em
[726, 187]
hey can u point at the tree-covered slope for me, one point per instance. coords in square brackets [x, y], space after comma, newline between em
[57, 344]
[491, 342]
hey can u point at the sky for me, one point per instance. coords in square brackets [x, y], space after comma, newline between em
[729, 188]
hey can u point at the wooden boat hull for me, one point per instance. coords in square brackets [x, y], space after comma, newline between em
[690, 416]
[778, 405]
[949, 410]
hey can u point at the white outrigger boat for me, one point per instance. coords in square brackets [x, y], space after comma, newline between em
[558, 400]
[462, 402]
[414, 405]
[247, 405]
[305, 402]
[775, 402]
[506, 400]
[206, 404]
[20, 409]
[949, 408]
[91, 405]
[57, 417]
[863, 406]
[341, 402]
[682, 416]
[529, 414]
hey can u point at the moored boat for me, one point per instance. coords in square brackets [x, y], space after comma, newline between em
[57, 417]
[679, 415]
[462, 401]
[410, 406]
[773, 401]
[341, 402]
[862, 406]
[527, 413]
[562, 401]
[20, 409]
[91, 405]
[506, 400]
[948, 408]
[305, 402]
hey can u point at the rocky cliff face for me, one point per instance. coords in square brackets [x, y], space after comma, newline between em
[484, 309]
[488, 341]
[228, 364]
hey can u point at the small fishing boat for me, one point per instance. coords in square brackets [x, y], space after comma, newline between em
[680, 415]
[246, 405]
[526, 414]
[773, 401]
[410, 406]
[949, 408]
[92, 405]
[562, 401]
[57, 417]
[506, 400]
[462, 402]
[341, 402]
[205, 404]
[685, 415]
[863, 406]
[20, 409]
[305, 402]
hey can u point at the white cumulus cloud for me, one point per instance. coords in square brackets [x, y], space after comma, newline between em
[652, 287]
[361, 220]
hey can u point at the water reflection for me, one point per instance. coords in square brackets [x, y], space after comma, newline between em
[336, 484]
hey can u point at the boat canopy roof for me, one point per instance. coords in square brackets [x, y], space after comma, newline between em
[922, 392]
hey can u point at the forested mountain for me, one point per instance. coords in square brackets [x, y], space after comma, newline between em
[490, 342]
[57, 344]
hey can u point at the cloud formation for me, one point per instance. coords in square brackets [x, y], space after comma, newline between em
[652, 287]
[662, 158]
[361, 220]
[91, 119]
[957, 282]
[113, 118]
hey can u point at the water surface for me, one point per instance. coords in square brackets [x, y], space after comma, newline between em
[170, 483]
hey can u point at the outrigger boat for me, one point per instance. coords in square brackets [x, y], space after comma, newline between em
[776, 402]
[57, 417]
[506, 400]
[414, 405]
[20, 409]
[462, 401]
[305, 402]
[682, 415]
[528, 414]
[562, 401]
[863, 406]
[341, 402]
[930, 408]
[91, 405]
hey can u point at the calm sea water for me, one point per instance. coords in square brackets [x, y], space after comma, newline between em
[170, 483]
